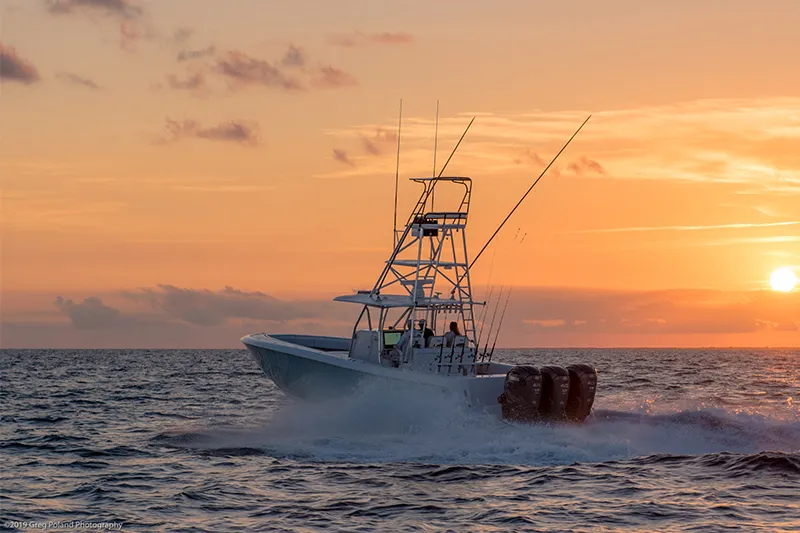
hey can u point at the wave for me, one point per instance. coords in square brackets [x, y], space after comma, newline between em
[392, 425]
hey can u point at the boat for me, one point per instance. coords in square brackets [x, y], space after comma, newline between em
[423, 288]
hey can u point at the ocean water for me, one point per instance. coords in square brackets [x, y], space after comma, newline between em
[200, 440]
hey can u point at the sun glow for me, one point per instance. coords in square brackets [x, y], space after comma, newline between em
[783, 279]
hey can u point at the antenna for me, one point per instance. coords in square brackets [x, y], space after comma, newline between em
[435, 142]
[528, 191]
[422, 202]
[397, 174]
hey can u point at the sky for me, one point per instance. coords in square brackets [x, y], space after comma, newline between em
[178, 174]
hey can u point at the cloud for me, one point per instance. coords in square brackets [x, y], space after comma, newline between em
[342, 157]
[75, 79]
[242, 70]
[118, 8]
[208, 308]
[577, 311]
[584, 165]
[132, 17]
[529, 156]
[192, 82]
[358, 38]
[330, 77]
[372, 145]
[187, 55]
[234, 131]
[92, 313]
[294, 57]
[543, 316]
[181, 35]
[237, 70]
[690, 228]
[14, 68]
[746, 145]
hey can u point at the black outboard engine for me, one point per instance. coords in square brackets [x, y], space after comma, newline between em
[582, 387]
[555, 391]
[522, 391]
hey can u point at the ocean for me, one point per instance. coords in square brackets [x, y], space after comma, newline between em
[200, 440]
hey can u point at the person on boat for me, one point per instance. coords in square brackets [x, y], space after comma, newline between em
[451, 335]
[396, 353]
[425, 331]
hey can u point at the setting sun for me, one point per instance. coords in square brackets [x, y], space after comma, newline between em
[783, 279]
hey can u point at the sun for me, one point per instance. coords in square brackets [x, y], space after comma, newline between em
[783, 279]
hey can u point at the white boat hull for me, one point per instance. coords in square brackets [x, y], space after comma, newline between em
[315, 368]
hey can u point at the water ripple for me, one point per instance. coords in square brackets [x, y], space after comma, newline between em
[702, 440]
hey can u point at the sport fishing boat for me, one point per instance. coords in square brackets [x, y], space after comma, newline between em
[426, 283]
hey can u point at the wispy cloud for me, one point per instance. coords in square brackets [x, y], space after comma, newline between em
[342, 157]
[770, 239]
[244, 133]
[188, 55]
[119, 8]
[75, 79]
[242, 70]
[748, 143]
[574, 311]
[223, 188]
[237, 70]
[294, 57]
[14, 68]
[358, 38]
[330, 77]
[706, 227]
[192, 82]
[584, 165]
[132, 19]
[182, 35]
[374, 144]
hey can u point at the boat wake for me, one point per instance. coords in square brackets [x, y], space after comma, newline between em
[388, 424]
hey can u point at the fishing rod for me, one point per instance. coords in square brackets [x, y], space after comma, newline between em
[499, 325]
[490, 291]
[491, 324]
[523, 198]
[483, 316]
[503, 314]
[397, 173]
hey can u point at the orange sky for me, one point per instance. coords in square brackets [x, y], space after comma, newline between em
[154, 153]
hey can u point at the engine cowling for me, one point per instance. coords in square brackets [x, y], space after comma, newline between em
[522, 392]
[555, 392]
[582, 388]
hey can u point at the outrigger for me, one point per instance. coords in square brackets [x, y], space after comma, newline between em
[426, 282]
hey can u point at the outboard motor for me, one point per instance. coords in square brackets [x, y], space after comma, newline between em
[582, 387]
[555, 391]
[522, 391]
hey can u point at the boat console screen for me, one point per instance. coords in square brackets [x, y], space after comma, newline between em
[391, 337]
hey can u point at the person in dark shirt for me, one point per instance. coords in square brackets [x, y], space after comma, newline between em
[425, 331]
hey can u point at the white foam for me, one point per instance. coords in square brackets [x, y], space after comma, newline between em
[390, 425]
